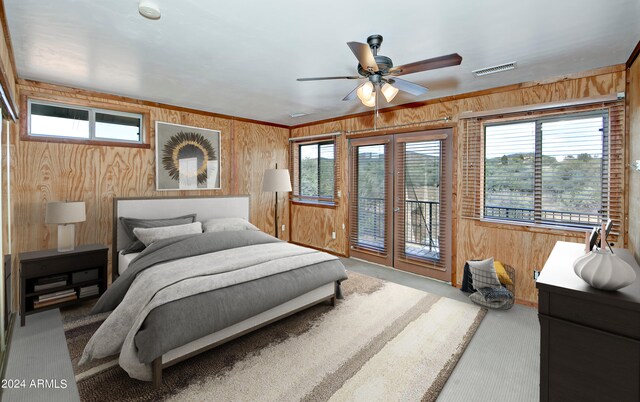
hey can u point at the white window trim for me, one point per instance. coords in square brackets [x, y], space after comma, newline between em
[92, 122]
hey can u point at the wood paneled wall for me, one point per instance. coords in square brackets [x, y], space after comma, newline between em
[44, 171]
[519, 247]
[633, 119]
[6, 59]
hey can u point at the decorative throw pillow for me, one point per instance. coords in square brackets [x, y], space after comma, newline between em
[135, 247]
[150, 235]
[503, 276]
[483, 274]
[227, 225]
[128, 224]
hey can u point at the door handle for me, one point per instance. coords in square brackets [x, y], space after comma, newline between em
[397, 209]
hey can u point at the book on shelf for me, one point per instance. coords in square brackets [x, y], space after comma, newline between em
[51, 285]
[49, 279]
[56, 295]
[50, 282]
[89, 290]
[45, 303]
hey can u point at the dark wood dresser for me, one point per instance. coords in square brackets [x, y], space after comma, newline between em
[589, 338]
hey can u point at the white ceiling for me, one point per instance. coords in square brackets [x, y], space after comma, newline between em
[242, 58]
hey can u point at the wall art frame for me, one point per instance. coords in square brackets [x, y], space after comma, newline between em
[187, 158]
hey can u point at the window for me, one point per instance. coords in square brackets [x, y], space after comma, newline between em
[66, 121]
[553, 169]
[315, 170]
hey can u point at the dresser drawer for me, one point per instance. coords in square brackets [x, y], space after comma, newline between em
[596, 315]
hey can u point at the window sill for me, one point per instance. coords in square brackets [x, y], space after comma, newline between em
[83, 142]
[533, 228]
[318, 204]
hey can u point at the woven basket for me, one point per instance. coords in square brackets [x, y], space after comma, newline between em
[511, 288]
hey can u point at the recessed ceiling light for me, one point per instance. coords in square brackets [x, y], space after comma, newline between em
[294, 115]
[495, 69]
[149, 9]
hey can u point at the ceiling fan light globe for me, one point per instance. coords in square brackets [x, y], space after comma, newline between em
[371, 102]
[365, 91]
[389, 91]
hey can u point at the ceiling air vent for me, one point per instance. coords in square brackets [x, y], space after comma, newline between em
[495, 69]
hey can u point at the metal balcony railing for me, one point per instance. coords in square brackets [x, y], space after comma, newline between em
[422, 220]
[578, 219]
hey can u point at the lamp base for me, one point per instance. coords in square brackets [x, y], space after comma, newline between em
[66, 237]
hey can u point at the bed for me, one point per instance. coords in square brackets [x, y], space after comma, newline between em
[185, 294]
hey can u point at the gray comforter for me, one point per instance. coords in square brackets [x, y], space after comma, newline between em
[183, 288]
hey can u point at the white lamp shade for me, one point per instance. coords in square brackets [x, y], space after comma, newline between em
[389, 91]
[276, 180]
[61, 212]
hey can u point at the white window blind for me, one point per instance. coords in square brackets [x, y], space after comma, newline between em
[557, 169]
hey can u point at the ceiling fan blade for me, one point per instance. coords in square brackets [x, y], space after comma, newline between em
[352, 95]
[413, 89]
[428, 64]
[346, 77]
[364, 55]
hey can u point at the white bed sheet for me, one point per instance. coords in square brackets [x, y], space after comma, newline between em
[124, 260]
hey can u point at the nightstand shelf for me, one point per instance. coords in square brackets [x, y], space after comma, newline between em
[63, 304]
[59, 288]
[86, 264]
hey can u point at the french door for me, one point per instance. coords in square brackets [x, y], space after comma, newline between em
[400, 201]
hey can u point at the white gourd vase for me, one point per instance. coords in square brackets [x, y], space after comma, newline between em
[604, 270]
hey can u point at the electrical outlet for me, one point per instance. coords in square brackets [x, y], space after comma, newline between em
[536, 274]
[283, 228]
[333, 235]
[343, 227]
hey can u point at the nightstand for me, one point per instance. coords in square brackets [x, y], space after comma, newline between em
[51, 279]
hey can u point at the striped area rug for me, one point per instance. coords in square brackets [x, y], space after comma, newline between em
[382, 342]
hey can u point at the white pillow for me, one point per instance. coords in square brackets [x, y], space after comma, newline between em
[227, 225]
[150, 235]
[483, 274]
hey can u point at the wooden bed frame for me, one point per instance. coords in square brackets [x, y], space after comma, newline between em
[205, 207]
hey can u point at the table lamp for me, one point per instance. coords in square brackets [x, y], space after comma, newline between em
[65, 214]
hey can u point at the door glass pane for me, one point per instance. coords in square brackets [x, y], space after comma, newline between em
[422, 199]
[371, 197]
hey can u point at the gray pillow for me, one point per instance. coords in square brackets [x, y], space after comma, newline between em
[128, 224]
[483, 274]
[151, 235]
[227, 224]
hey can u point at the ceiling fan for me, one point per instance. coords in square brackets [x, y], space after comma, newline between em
[382, 75]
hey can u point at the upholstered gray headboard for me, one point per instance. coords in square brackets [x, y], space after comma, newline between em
[205, 207]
